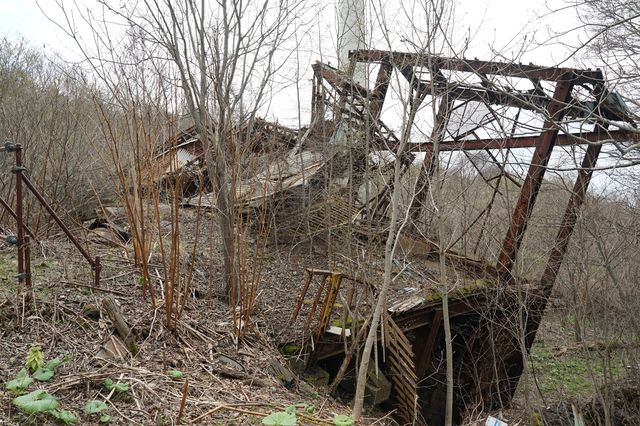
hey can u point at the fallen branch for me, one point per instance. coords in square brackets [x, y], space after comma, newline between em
[113, 311]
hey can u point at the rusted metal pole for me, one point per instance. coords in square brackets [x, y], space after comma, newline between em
[18, 170]
[27, 261]
[533, 181]
[97, 268]
[59, 221]
[13, 214]
[570, 216]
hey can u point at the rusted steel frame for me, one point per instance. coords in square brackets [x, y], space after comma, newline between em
[345, 87]
[13, 214]
[379, 92]
[564, 234]
[329, 301]
[303, 294]
[529, 141]
[476, 66]
[533, 180]
[530, 100]
[570, 216]
[18, 170]
[336, 78]
[424, 357]
[94, 263]
[316, 301]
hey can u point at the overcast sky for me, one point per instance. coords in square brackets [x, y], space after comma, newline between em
[502, 23]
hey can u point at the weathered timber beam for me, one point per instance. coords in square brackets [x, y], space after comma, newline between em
[476, 66]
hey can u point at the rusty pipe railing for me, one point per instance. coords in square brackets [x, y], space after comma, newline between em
[24, 252]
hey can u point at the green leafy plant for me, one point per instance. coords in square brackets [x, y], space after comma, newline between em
[34, 359]
[20, 383]
[342, 420]
[47, 371]
[281, 418]
[38, 401]
[118, 387]
[64, 416]
[105, 418]
[94, 406]
[307, 408]
[175, 374]
[43, 374]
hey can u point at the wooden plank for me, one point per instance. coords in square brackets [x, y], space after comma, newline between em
[112, 309]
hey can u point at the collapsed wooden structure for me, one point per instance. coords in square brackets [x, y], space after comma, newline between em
[475, 105]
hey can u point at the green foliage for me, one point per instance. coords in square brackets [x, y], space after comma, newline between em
[118, 387]
[57, 361]
[46, 372]
[281, 418]
[38, 401]
[572, 373]
[342, 420]
[175, 374]
[20, 383]
[35, 359]
[290, 349]
[307, 408]
[105, 418]
[43, 374]
[64, 416]
[94, 406]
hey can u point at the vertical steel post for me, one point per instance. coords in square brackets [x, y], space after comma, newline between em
[27, 261]
[17, 170]
[97, 267]
[535, 175]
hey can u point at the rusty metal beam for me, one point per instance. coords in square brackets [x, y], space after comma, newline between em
[13, 214]
[476, 66]
[527, 141]
[564, 233]
[336, 78]
[533, 181]
[380, 90]
[570, 216]
[423, 359]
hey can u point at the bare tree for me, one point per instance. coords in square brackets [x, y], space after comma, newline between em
[225, 56]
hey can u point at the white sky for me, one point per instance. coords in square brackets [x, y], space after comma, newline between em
[498, 22]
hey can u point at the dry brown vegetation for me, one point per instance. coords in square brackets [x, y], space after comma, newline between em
[206, 277]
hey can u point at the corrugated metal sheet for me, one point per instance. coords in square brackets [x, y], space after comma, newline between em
[290, 172]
